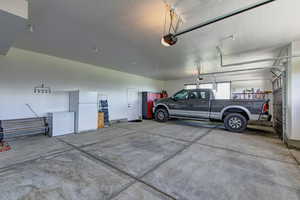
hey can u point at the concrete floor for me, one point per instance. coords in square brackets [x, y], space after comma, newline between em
[151, 161]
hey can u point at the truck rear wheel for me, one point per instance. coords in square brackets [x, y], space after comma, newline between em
[161, 115]
[235, 122]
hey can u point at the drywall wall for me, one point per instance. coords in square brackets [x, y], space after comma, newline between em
[238, 82]
[11, 27]
[21, 71]
[293, 90]
[239, 86]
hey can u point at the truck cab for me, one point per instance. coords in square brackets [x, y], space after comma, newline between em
[190, 103]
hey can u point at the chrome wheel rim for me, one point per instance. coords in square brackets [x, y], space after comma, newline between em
[235, 122]
[160, 115]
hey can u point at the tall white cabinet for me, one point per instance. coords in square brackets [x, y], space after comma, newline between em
[85, 106]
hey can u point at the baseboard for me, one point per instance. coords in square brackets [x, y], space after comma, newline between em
[116, 121]
[85, 131]
[292, 143]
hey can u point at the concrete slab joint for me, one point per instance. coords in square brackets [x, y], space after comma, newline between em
[149, 160]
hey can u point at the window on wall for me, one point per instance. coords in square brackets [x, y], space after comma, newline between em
[190, 87]
[222, 91]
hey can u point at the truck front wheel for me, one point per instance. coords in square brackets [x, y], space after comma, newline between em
[235, 122]
[161, 115]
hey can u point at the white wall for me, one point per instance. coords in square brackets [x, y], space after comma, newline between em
[293, 91]
[21, 70]
[239, 86]
[262, 81]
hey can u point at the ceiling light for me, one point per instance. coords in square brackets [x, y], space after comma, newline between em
[169, 40]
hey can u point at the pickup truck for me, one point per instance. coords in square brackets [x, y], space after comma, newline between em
[198, 104]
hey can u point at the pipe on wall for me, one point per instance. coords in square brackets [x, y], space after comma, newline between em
[233, 81]
[252, 61]
[239, 70]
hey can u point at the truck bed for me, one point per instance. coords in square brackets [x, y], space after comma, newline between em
[254, 106]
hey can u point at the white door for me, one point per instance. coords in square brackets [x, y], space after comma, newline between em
[133, 104]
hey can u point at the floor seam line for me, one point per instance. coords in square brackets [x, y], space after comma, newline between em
[99, 142]
[243, 153]
[157, 134]
[34, 159]
[298, 163]
[119, 170]
[149, 171]
[122, 190]
[176, 153]
[63, 151]
[181, 140]
[186, 146]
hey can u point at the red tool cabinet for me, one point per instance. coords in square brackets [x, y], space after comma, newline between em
[147, 103]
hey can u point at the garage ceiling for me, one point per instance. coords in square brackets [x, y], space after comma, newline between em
[11, 27]
[126, 33]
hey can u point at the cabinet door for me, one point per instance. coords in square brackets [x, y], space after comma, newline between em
[88, 97]
[87, 117]
[62, 123]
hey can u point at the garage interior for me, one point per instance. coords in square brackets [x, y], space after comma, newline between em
[78, 86]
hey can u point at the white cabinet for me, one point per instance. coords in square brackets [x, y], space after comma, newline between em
[84, 105]
[87, 117]
[88, 97]
[61, 123]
